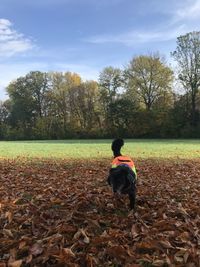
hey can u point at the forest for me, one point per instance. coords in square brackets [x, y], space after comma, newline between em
[148, 98]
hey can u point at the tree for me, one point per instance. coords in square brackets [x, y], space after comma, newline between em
[62, 83]
[110, 80]
[28, 101]
[23, 108]
[84, 102]
[29, 93]
[123, 113]
[38, 84]
[4, 111]
[149, 78]
[187, 55]
[4, 114]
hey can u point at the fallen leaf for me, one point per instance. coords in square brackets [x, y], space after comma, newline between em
[36, 249]
[165, 244]
[134, 232]
[17, 263]
[9, 216]
[7, 233]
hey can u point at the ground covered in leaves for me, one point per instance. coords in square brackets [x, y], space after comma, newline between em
[62, 213]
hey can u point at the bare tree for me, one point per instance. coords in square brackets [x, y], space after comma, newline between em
[187, 55]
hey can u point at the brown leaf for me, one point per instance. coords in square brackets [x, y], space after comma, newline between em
[164, 216]
[186, 256]
[182, 210]
[165, 244]
[36, 249]
[86, 238]
[68, 252]
[17, 263]
[7, 233]
[22, 244]
[145, 247]
[77, 234]
[81, 233]
[185, 236]
[90, 262]
[158, 263]
[29, 258]
[134, 231]
[9, 216]
[119, 252]
[178, 259]
[163, 231]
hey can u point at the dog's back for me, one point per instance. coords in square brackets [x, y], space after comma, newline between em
[120, 160]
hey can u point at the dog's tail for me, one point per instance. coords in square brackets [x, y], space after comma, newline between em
[116, 147]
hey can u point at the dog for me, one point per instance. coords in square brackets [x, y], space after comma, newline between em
[122, 175]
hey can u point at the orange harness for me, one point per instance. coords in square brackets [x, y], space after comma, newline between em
[124, 160]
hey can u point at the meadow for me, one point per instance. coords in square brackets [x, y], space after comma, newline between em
[94, 149]
[60, 212]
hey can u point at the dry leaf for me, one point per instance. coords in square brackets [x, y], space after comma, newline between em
[7, 233]
[165, 244]
[134, 232]
[36, 249]
[62, 212]
[29, 258]
[9, 216]
[68, 252]
[22, 244]
[17, 263]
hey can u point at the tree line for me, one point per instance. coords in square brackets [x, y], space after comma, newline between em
[139, 101]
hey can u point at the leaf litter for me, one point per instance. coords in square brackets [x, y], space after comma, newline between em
[63, 213]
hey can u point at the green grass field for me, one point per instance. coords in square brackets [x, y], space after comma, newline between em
[94, 149]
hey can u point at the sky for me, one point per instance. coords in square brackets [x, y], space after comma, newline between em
[85, 36]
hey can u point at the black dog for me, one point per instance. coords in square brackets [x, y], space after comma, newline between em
[122, 176]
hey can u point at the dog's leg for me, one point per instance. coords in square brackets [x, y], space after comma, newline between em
[132, 197]
[132, 201]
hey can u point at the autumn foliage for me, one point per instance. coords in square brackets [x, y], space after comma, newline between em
[63, 213]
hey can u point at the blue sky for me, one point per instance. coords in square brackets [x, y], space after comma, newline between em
[84, 36]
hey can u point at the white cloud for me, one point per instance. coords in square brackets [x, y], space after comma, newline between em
[135, 37]
[11, 41]
[190, 10]
[183, 18]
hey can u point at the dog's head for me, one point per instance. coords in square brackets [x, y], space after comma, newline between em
[118, 180]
